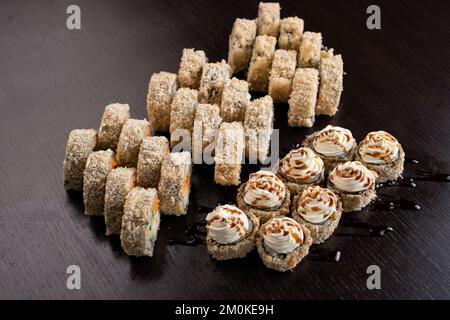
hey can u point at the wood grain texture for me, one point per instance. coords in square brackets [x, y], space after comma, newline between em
[54, 80]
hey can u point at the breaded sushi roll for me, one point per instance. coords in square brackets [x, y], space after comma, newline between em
[231, 232]
[214, 78]
[309, 52]
[319, 210]
[258, 127]
[206, 124]
[152, 152]
[331, 78]
[113, 119]
[175, 184]
[161, 89]
[80, 144]
[229, 153]
[241, 41]
[98, 165]
[302, 101]
[140, 222]
[119, 183]
[191, 67]
[133, 132]
[269, 18]
[282, 243]
[264, 195]
[291, 30]
[282, 74]
[182, 114]
[261, 63]
[235, 100]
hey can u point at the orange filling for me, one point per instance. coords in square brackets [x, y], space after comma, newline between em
[155, 205]
[186, 183]
[147, 132]
[113, 164]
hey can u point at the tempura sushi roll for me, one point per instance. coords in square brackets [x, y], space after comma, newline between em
[354, 184]
[98, 165]
[235, 100]
[282, 243]
[309, 52]
[140, 222]
[264, 195]
[133, 132]
[229, 153]
[80, 144]
[319, 210]
[302, 101]
[241, 42]
[214, 78]
[119, 183]
[269, 18]
[331, 78]
[152, 152]
[191, 67]
[291, 30]
[113, 119]
[161, 89]
[282, 74]
[300, 169]
[182, 115]
[381, 152]
[333, 144]
[206, 124]
[175, 184]
[261, 63]
[258, 127]
[231, 232]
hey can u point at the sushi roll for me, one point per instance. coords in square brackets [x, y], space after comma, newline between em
[309, 52]
[300, 169]
[282, 243]
[119, 183]
[258, 127]
[302, 101]
[235, 101]
[231, 232]
[331, 77]
[214, 78]
[269, 18]
[98, 165]
[264, 195]
[133, 132]
[175, 184]
[241, 42]
[291, 30]
[282, 74]
[191, 67]
[319, 210]
[182, 114]
[354, 184]
[381, 152]
[80, 144]
[333, 144]
[152, 152]
[229, 153]
[161, 89]
[113, 119]
[261, 63]
[140, 222]
[206, 124]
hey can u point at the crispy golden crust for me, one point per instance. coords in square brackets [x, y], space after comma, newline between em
[261, 63]
[241, 42]
[235, 101]
[302, 101]
[152, 152]
[269, 18]
[291, 30]
[113, 119]
[191, 67]
[183, 112]
[331, 79]
[263, 215]
[387, 171]
[214, 78]
[133, 132]
[298, 188]
[352, 202]
[309, 53]
[206, 123]
[286, 262]
[236, 250]
[282, 74]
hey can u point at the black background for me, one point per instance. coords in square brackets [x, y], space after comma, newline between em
[53, 80]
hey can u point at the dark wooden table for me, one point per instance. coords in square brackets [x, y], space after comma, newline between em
[54, 80]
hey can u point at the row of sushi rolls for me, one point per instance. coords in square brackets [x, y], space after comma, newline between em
[131, 176]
